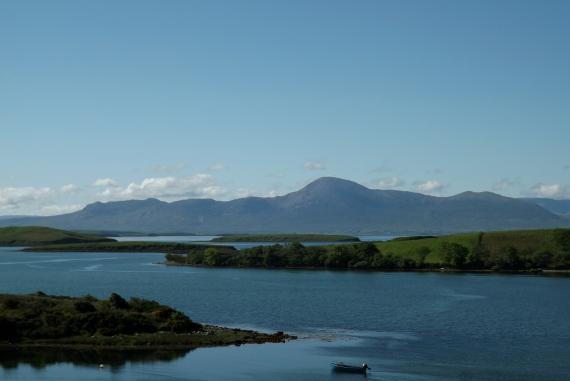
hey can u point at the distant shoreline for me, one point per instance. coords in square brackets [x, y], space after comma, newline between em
[284, 237]
[396, 270]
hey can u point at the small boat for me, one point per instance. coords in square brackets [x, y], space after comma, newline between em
[345, 368]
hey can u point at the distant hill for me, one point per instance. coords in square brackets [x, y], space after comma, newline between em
[38, 235]
[327, 205]
[560, 207]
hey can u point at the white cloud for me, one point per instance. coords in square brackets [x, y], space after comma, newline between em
[551, 190]
[14, 198]
[106, 182]
[217, 167]
[429, 186]
[197, 186]
[387, 183]
[69, 189]
[315, 165]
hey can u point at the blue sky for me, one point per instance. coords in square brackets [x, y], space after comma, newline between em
[109, 100]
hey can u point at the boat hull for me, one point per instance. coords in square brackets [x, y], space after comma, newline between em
[343, 368]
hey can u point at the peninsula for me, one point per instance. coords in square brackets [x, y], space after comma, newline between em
[41, 320]
[39, 235]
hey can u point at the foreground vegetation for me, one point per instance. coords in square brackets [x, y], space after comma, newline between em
[529, 250]
[38, 235]
[286, 238]
[129, 247]
[40, 320]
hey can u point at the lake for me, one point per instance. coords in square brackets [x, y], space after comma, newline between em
[406, 326]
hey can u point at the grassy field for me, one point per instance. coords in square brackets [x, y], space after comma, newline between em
[37, 235]
[404, 248]
[286, 238]
[524, 241]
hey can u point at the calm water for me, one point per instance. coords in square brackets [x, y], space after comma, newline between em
[407, 326]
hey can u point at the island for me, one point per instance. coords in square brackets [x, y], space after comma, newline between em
[128, 247]
[285, 237]
[522, 250]
[39, 235]
[40, 320]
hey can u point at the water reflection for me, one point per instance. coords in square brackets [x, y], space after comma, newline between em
[40, 358]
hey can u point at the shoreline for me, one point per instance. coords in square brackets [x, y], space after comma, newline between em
[425, 270]
[53, 321]
[213, 336]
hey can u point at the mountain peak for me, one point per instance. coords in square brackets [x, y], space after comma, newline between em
[470, 195]
[327, 184]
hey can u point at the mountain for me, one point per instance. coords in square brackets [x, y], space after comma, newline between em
[327, 205]
[560, 207]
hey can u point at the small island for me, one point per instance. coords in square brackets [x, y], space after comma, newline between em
[286, 237]
[39, 235]
[45, 321]
[127, 247]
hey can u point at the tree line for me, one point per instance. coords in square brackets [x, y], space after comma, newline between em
[368, 256]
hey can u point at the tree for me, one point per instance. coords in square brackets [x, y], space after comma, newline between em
[541, 259]
[296, 253]
[454, 254]
[339, 257]
[117, 301]
[211, 257]
[508, 259]
[562, 239]
[421, 253]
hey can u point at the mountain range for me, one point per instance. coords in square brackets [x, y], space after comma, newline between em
[327, 205]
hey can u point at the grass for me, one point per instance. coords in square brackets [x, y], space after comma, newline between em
[292, 237]
[522, 240]
[404, 248]
[38, 235]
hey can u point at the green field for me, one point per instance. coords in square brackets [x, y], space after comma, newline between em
[523, 241]
[37, 235]
[286, 238]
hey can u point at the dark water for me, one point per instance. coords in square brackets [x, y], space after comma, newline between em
[406, 326]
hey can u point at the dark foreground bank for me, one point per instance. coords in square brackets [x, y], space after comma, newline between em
[41, 320]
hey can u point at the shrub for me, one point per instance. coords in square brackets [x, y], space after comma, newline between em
[117, 301]
[84, 307]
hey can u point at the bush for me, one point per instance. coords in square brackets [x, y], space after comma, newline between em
[84, 307]
[117, 301]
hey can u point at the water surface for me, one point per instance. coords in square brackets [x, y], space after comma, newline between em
[407, 326]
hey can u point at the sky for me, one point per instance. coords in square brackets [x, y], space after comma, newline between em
[113, 100]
